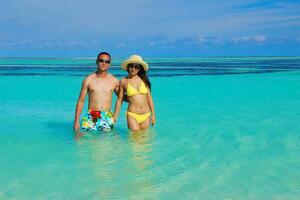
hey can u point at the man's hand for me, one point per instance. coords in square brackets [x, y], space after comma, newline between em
[115, 120]
[76, 126]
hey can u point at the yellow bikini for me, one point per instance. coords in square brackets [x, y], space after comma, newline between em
[139, 117]
[131, 91]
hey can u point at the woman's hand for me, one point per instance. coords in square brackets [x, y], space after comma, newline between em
[153, 120]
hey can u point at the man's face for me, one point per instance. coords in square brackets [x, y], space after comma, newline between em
[103, 62]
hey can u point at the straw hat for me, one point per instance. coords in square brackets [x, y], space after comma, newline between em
[135, 59]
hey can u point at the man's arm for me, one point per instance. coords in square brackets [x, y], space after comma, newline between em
[119, 101]
[80, 104]
[117, 87]
[116, 90]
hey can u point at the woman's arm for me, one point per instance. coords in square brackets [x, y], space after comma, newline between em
[151, 105]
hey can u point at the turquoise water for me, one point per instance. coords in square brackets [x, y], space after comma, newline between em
[227, 128]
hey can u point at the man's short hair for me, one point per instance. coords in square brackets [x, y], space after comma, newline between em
[103, 53]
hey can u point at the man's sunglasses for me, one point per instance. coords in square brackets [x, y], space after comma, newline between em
[103, 61]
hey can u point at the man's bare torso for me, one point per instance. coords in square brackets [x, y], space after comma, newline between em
[100, 90]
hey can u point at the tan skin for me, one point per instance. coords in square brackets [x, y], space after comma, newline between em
[139, 103]
[99, 86]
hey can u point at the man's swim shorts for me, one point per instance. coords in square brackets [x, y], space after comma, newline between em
[97, 120]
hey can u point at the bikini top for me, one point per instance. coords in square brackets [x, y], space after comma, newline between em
[130, 91]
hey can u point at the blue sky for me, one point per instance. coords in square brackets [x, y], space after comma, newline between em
[152, 28]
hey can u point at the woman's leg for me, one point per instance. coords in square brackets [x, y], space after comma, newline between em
[145, 124]
[132, 123]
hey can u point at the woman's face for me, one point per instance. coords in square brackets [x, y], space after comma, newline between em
[133, 69]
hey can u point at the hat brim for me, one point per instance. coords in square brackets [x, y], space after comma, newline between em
[129, 61]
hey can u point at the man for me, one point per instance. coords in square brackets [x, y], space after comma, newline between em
[100, 87]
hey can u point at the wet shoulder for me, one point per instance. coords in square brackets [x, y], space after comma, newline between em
[124, 81]
[89, 78]
[111, 78]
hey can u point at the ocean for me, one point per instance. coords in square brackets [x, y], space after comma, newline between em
[227, 128]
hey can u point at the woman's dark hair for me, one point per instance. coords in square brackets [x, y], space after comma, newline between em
[142, 73]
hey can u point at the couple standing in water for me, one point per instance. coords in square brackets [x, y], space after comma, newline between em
[100, 86]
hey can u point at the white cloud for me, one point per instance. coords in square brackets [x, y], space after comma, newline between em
[48, 43]
[171, 19]
[259, 38]
[121, 45]
[240, 39]
[186, 41]
[207, 40]
[256, 38]
[159, 42]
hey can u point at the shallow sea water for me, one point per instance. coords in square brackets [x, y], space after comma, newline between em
[227, 128]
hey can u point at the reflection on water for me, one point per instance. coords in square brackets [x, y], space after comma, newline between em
[112, 163]
[141, 144]
[99, 155]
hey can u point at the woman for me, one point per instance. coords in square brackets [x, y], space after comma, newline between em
[136, 86]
